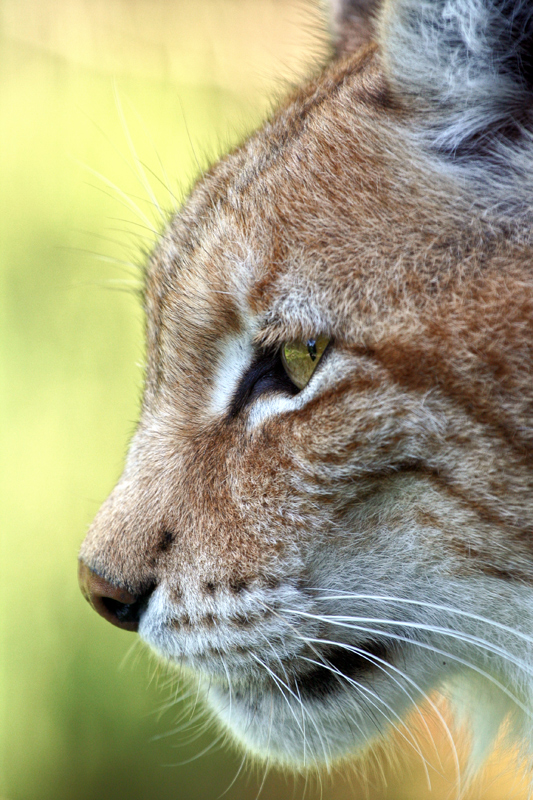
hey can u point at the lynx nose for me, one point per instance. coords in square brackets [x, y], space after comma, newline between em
[113, 603]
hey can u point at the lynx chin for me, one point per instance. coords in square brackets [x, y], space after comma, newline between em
[326, 512]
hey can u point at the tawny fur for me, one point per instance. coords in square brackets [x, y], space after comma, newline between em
[385, 511]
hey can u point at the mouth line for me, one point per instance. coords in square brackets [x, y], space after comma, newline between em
[341, 664]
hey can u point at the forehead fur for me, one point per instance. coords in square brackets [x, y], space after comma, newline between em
[327, 221]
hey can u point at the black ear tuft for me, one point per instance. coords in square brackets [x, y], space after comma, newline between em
[513, 34]
[468, 66]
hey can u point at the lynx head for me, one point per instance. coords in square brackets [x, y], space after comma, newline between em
[326, 510]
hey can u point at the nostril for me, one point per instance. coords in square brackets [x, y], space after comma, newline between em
[116, 604]
[122, 612]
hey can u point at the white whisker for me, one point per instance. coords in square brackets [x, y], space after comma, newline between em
[281, 685]
[376, 702]
[235, 777]
[482, 644]
[424, 604]
[120, 196]
[203, 752]
[145, 183]
[166, 182]
[386, 667]
[423, 645]
[299, 699]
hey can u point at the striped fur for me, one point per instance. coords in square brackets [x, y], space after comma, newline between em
[323, 560]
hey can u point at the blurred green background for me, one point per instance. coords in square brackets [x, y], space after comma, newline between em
[89, 88]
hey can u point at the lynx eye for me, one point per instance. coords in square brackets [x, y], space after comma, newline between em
[300, 359]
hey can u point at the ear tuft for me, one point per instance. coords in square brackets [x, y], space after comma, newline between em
[353, 23]
[468, 66]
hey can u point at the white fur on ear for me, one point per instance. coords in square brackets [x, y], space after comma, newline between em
[467, 64]
[352, 22]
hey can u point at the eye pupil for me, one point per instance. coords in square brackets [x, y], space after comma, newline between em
[301, 357]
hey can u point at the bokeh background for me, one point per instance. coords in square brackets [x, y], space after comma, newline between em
[108, 110]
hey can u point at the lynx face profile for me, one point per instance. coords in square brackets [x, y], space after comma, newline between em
[327, 507]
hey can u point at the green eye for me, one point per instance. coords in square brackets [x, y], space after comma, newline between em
[300, 359]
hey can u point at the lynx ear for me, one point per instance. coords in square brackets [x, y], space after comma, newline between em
[353, 23]
[467, 65]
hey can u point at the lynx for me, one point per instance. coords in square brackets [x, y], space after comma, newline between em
[326, 512]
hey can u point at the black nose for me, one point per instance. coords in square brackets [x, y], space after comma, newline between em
[115, 604]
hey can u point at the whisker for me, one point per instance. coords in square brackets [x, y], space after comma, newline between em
[203, 752]
[170, 704]
[423, 645]
[317, 653]
[280, 662]
[194, 729]
[483, 644]
[265, 776]
[146, 186]
[235, 778]
[135, 645]
[192, 716]
[230, 688]
[214, 206]
[121, 196]
[386, 667]
[107, 259]
[141, 174]
[425, 697]
[133, 222]
[410, 740]
[166, 182]
[109, 239]
[426, 604]
[267, 762]
[279, 683]
[196, 699]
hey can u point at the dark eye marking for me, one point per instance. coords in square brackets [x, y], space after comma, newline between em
[265, 374]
